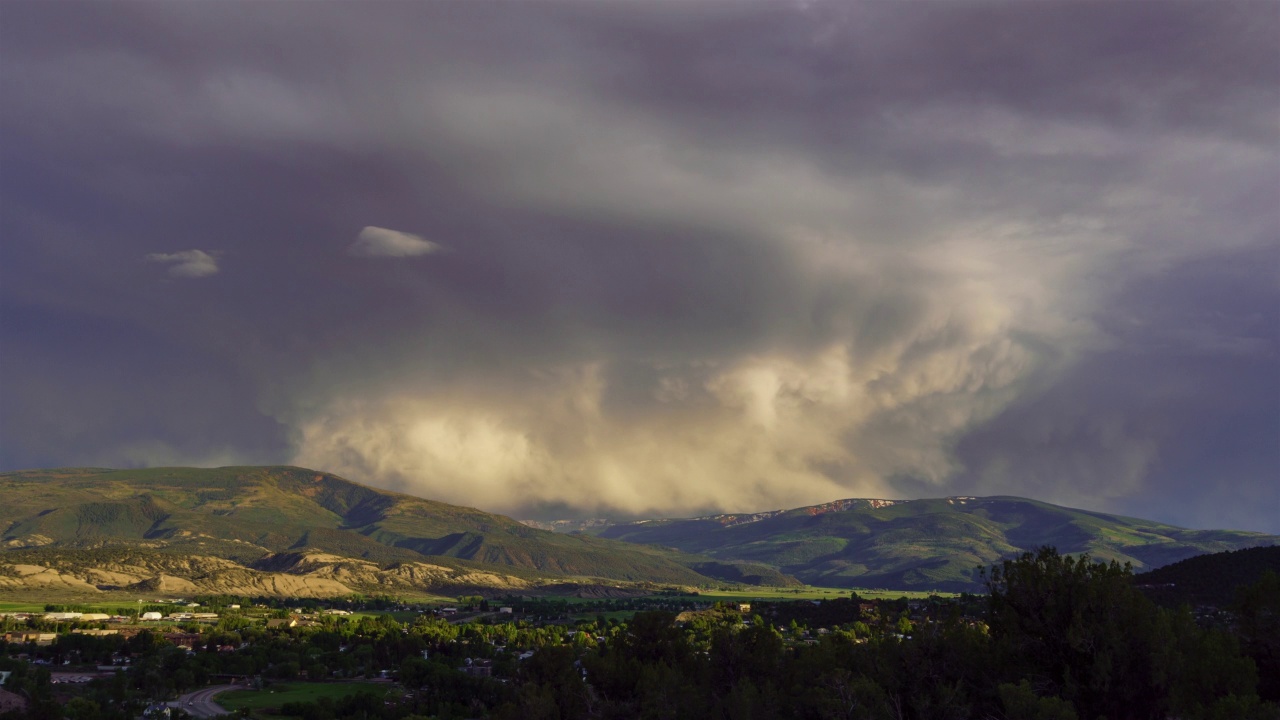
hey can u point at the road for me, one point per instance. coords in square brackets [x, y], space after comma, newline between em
[200, 703]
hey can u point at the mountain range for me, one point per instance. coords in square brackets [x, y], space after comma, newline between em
[923, 544]
[298, 532]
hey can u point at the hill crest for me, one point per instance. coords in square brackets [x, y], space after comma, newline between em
[246, 514]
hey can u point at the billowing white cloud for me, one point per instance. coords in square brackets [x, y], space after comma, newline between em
[381, 242]
[187, 263]
[923, 346]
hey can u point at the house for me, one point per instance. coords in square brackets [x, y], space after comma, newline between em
[744, 607]
[185, 640]
[282, 622]
[504, 610]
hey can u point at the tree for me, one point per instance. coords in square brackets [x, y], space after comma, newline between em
[552, 670]
[1257, 609]
[1079, 630]
[1020, 701]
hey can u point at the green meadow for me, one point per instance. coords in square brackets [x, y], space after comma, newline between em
[807, 593]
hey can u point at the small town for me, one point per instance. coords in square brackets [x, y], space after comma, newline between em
[167, 649]
[669, 654]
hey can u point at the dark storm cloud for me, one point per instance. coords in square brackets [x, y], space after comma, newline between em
[698, 256]
[1177, 417]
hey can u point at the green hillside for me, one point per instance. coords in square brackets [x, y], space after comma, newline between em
[289, 529]
[249, 513]
[924, 544]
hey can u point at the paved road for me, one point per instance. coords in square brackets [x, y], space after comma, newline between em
[200, 703]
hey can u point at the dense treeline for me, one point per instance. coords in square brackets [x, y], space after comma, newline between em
[1056, 638]
[1066, 638]
[1208, 579]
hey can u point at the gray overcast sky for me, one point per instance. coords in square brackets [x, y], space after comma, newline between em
[663, 257]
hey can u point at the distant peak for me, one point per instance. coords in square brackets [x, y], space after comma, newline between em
[729, 520]
[850, 504]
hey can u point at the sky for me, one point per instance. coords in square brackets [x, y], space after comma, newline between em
[660, 258]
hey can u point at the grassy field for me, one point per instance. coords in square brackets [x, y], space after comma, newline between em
[36, 601]
[274, 696]
[97, 605]
[766, 593]
[810, 593]
[403, 616]
[622, 615]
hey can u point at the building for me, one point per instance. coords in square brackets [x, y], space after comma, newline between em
[149, 616]
[184, 640]
[58, 616]
[38, 638]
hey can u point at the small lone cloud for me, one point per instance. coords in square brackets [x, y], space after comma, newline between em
[381, 242]
[188, 263]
